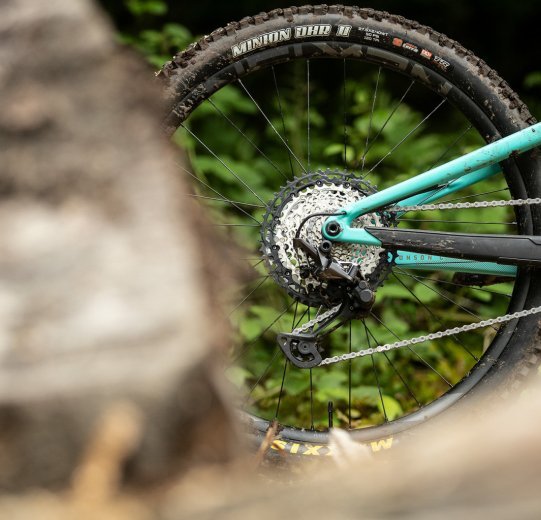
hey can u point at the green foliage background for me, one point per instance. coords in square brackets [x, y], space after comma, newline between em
[378, 391]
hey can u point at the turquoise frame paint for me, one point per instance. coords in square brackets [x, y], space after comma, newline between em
[433, 185]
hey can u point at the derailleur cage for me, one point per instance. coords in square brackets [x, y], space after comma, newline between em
[304, 349]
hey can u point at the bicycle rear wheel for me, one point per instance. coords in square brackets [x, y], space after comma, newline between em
[303, 110]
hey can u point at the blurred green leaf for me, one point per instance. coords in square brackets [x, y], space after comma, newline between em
[533, 80]
[393, 410]
[237, 375]
[142, 7]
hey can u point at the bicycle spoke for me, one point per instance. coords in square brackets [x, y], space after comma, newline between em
[286, 362]
[412, 351]
[376, 375]
[311, 402]
[450, 147]
[477, 195]
[255, 340]
[301, 318]
[455, 338]
[439, 293]
[405, 138]
[236, 202]
[281, 389]
[225, 199]
[282, 118]
[268, 367]
[295, 315]
[258, 263]
[246, 138]
[207, 148]
[237, 225]
[410, 391]
[271, 125]
[363, 158]
[249, 294]
[395, 108]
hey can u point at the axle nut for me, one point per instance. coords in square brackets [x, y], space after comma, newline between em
[333, 229]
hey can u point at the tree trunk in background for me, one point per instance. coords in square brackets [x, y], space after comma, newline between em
[104, 298]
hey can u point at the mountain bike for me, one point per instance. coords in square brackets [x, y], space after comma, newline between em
[384, 186]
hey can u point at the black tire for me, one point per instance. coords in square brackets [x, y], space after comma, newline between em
[467, 82]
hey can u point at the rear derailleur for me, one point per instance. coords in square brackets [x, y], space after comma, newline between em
[304, 346]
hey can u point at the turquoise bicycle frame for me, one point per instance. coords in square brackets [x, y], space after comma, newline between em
[428, 187]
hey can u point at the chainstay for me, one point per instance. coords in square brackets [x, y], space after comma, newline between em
[468, 205]
[429, 337]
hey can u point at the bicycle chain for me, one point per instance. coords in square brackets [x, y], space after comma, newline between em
[469, 205]
[435, 335]
[318, 319]
[429, 337]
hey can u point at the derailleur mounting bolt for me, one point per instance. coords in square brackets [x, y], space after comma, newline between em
[325, 246]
